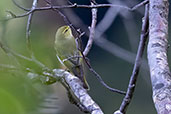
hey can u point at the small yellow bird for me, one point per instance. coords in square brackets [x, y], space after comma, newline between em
[68, 54]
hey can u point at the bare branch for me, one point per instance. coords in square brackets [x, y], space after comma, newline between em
[99, 77]
[19, 6]
[140, 4]
[67, 6]
[60, 13]
[157, 55]
[34, 5]
[134, 76]
[75, 85]
[75, 5]
[92, 30]
[130, 26]
[28, 31]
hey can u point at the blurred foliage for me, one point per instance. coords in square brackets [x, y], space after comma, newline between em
[19, 95]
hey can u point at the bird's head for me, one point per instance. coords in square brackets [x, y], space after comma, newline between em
[64, 32]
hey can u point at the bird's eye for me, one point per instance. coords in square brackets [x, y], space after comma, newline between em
[66, 30]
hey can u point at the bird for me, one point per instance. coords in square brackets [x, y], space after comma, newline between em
[68, 54]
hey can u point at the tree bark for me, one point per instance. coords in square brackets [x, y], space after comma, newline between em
[157, 55]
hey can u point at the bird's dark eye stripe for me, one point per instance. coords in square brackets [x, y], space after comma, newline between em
[66, 30]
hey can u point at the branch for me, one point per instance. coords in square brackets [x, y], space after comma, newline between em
[19, 6]
[59, 12]
[140, 4]
[29, 25]
[28, 31]
[75, 5]
[157, 55]
[132, 83]
[92, 30]
[99, 77]
[84, 101]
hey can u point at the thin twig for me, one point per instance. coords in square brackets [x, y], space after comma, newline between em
[28, 41]
[60, 13]
[19, 6]
[69, 2]
[140, 4]
[130, 27]
[29, 25]
[100, 79]
[92, 30]
[132, 83]
[75, 5]
[66, 20]
[89, 45]
[63, 7]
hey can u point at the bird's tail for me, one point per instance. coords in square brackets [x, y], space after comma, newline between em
[79, 72]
